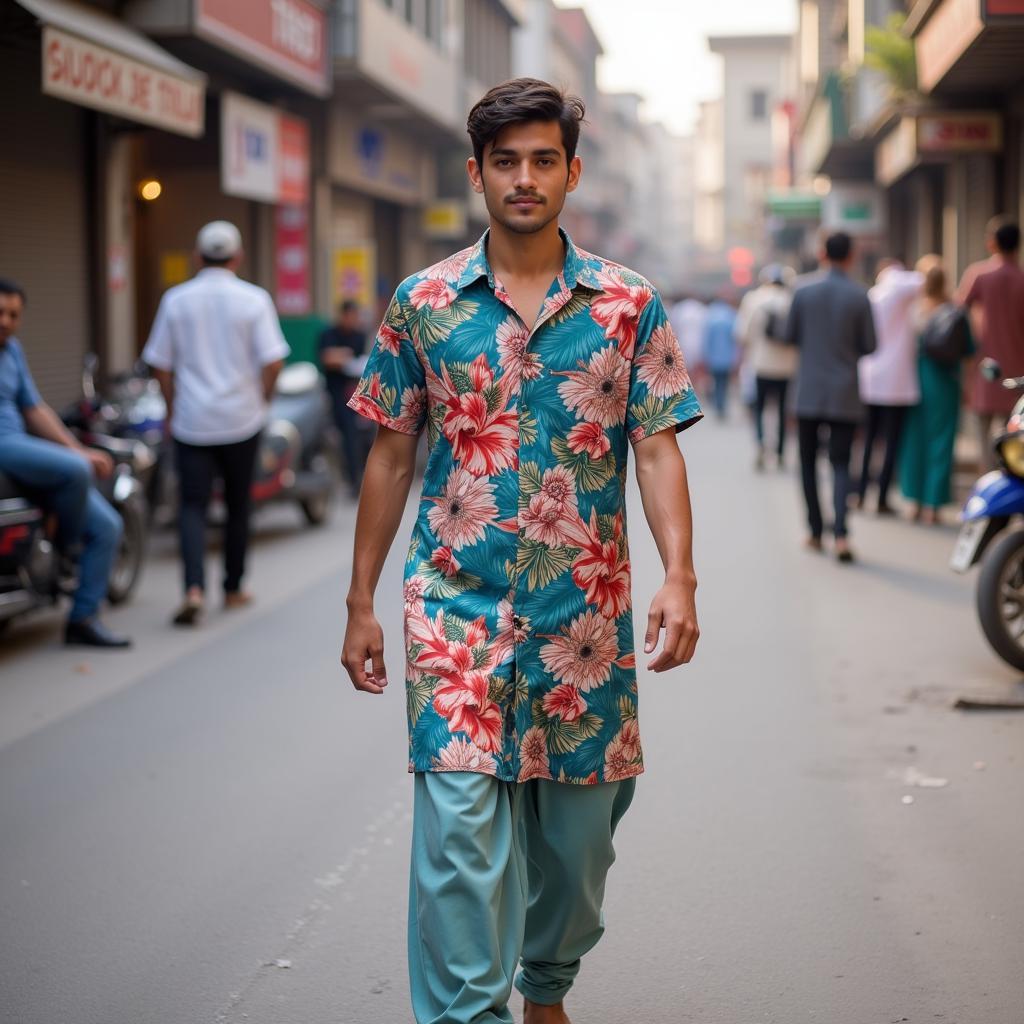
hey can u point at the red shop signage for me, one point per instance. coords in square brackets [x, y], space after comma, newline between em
[291, 257]
[286, 37]
[1005, 8]
[293, 160]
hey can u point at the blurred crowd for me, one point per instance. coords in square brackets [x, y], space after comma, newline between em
[913, 363]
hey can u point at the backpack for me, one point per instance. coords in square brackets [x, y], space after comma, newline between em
[946, 338]
[775, 327]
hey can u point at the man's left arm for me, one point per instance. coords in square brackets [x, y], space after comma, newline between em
[43, 422]
[661, 474]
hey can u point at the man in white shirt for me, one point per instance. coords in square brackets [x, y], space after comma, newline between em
[687, 317]
[216, 348]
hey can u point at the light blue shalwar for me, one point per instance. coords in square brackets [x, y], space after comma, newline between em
[504, 872]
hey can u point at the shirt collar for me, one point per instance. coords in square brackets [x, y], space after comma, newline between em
[579, 268]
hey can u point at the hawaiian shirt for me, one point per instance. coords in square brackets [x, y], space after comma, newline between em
[519, 637]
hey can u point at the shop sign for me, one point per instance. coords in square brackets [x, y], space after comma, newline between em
[352, 276]
[897, 152]
[292, 294]
[445, 218]
[1004, 8]
[93, 76]
[959, 133]
[945, 38]
[264, 152]
[286, 37]
[854, 208]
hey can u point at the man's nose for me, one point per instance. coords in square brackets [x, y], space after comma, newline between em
[524, 176]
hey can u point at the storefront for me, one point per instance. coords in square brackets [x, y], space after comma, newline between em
[942, 169]
[84, 82]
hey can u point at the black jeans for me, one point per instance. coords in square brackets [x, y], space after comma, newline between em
[775, 390]
[198, 466]
[347, 422]
[885, 423]
[840, 443]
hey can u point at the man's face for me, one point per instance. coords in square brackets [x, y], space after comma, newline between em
[349, 319]
[525, 176]
[11, 307]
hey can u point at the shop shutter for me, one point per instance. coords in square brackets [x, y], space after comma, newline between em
[44, 236]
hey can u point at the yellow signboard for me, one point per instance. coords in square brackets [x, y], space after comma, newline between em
[175, 267]
[353, 274]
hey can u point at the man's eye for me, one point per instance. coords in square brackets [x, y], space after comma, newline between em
[544, 162]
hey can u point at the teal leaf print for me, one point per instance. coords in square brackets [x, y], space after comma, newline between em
[541, 564]
[591, 474]
[441, 586]
[429, 326]
[654, 414]
[417, 696]
[565, 737]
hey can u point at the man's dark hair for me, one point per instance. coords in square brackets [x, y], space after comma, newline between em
[838, 246]
[1007, 237]
[9, 287]
[348, 306]
[520, 101]
[209, 261]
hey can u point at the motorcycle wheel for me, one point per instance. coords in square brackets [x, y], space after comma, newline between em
[127, 568]
[1000, 598]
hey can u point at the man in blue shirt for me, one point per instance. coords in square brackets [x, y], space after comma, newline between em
[720, 350]
[38, 452]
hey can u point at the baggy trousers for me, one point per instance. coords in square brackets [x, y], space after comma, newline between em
[503, 872]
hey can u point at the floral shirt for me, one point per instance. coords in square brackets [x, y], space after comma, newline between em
[519, 637]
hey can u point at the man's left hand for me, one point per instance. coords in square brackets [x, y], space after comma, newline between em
[101, 462]
[674, 608]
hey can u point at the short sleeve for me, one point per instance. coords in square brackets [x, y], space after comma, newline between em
[268, 338]
[661, 394]
[159, 350]
[27, 396]
[392, 390]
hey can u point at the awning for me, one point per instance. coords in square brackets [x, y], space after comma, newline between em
[95, 60]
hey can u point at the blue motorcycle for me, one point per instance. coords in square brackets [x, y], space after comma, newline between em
[990, 511]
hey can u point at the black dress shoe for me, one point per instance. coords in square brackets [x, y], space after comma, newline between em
[92, 633]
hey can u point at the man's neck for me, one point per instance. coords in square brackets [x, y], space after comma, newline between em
[532, 256]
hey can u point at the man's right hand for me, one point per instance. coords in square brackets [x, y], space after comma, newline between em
[101, 462]
[364, 642]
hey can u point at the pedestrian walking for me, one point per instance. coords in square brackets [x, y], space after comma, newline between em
[944, 340]
[761, 331]
[339, 347]
[997, 294]
[720, 351]
[40, 454]
[216, 348]
[830, 321]
[687, 317]
[888, 376]
[535, 365]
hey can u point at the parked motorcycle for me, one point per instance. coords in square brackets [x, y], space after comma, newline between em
[990, 510]
[32, 572]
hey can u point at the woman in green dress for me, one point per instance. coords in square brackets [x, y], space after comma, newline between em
[926, 458]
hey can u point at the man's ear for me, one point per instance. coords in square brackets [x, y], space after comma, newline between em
[476, 176]
[575, 170]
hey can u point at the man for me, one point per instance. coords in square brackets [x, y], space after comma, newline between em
[888, 377]
[687, 317]
[216, 348]
[998, 295]
[339, 345]
[532, 364]
[760, 329]
[720, 351]
[830, 321]
[39, 453]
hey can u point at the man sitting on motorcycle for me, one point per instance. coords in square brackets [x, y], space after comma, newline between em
[38, 452]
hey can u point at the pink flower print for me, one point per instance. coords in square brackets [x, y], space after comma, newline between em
[620, 761]
[543, 519]
[451, 268]
[461, 515]
[617, 308]
[514, 357]
[565, 702]
[464, 756]
[463, 702]
[533, 755]
[443, 559]
[559, 485]
[389, 339]
[598, 392]
[582, 654]
[589, 438]
[660, 365]
[481, 373]
[413, 408]
[432, 292]
[482, 442]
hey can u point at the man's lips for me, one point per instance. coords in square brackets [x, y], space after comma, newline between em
[525, 201]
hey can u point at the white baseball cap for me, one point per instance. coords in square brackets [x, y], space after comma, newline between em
[219, 240]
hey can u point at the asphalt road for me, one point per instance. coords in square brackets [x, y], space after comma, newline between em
[214, 827]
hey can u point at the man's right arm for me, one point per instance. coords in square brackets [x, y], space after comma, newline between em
[386, 481]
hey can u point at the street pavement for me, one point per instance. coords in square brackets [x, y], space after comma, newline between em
[213, 827]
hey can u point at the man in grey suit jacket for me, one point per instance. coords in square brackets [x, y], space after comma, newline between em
[831, 322]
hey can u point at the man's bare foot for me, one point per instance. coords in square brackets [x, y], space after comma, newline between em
[534, 1013]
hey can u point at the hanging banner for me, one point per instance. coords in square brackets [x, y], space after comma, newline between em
[291, 256]
[264, 152]
[352, 276]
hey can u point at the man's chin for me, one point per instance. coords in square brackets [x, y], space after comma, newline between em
[525, 225]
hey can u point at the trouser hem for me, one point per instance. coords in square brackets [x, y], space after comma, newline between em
[546, 996]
